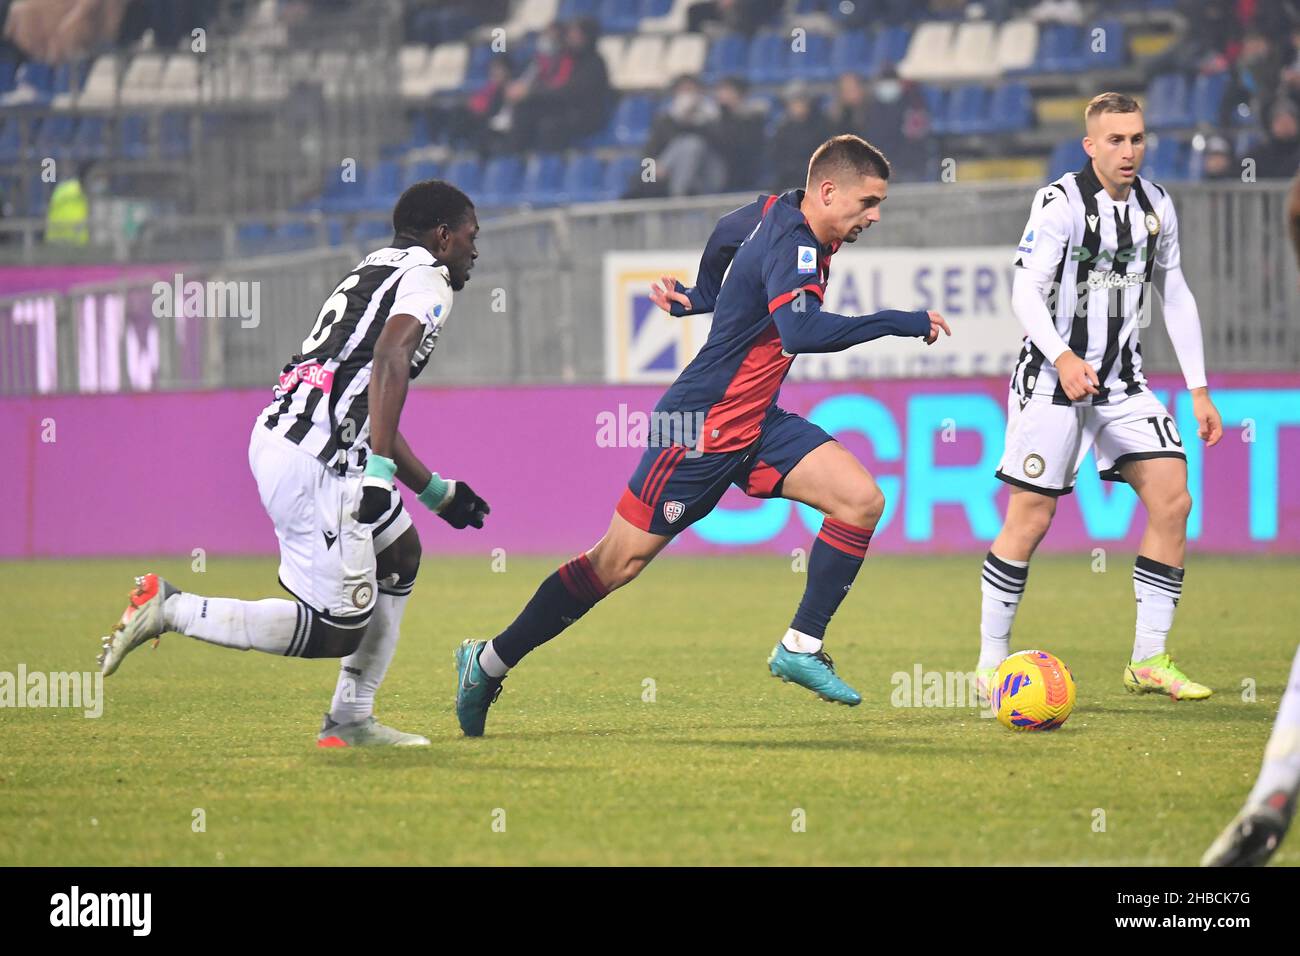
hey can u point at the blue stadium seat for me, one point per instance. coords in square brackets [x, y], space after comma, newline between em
[373, 232]
[618, 173]
[8, 73]
[381, 184]
[502, 178]
[1061, 49]
[584, 178]
[1067, 157]
[1169, 102]
[1011, 110]
[68, 78]
[419, 172]
[632, 119]
[572, 9]
[1116, 53]
[936, 104]
[851, 52]
[727, 56]
[543, 177]
[174, 135]
[889, 48]
[476, 72]
[90, 141]
[968, 110]
[133, 136]
[295, 235]
[11, 136]
[1207, 98]
[466, 175]
[54, 138]
[655, 8]
[769, 58]
[814, 63]
[619, 16]
[1168, 161]
[39, 76]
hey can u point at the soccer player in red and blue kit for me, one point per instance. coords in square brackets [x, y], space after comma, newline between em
[763, 276]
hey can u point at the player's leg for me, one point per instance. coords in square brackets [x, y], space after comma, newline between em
[1040, 458]
[562, 599]
[1139, 443]
[292, 492]
[1256, 831]
[666, 494]
[351, 720]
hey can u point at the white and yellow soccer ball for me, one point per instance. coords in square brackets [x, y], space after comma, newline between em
[1032, 690]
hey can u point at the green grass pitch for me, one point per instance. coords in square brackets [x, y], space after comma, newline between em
[721, 767]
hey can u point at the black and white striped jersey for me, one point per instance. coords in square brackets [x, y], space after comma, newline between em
[1093, 259]
[321, 401]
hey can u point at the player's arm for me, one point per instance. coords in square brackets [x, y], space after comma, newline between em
[732, 229]
[422, 303]
[1042, 247]
[1183, 322]
[794, 302]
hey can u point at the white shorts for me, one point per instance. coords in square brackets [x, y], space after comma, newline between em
[327, 558]
[1046, 443]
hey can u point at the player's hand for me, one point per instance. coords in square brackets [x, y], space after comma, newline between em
[663, 297]
[1208, 421]
[462, 507]
[1078, 378]
[936, 323]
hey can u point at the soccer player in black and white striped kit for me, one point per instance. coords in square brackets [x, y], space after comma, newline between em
[324, 454]
[1096, 241]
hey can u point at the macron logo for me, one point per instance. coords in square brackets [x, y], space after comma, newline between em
[103, 909]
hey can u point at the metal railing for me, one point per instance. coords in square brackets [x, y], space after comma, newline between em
[534, 312]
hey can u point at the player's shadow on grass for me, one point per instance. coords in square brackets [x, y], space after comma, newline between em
[1178, 711]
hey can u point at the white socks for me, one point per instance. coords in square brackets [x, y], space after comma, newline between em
[1002, 584]
[361, 672]
[1281, 770]
[492, 665]
[801, 643]
[1157, 588]
[271, 625]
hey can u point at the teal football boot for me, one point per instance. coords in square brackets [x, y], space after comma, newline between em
[814, 671]
[475, 690]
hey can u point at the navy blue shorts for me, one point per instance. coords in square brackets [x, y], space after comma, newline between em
[671, 490]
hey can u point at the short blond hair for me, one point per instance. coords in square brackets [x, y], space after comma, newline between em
[1111, 103]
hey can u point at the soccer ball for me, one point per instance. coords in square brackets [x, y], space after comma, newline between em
[1032, 690]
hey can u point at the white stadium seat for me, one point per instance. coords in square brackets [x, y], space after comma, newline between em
[446, 69]
[644, 63]
[1017, 45]
[413, 63]
[928, 52]
[143, 80]
[531, 15]
[180, 79]
[686, 55]
[100, 88]
[974, 52]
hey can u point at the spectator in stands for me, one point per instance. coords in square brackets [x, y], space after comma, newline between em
[1220, 163]
[682, 144]
[487, 116]
[54, 31]
[567, 97]
[1279, 157]
[1210, 42]
[799, 133]
[738, 134]
[851, 111]
[739, 16]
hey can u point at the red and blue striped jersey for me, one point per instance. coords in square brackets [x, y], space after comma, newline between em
[763, 275]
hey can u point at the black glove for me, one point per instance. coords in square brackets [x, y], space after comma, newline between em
[464, 508]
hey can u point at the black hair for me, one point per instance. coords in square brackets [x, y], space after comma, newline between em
[429, 204]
